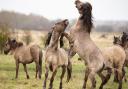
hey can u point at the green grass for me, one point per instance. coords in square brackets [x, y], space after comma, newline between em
[8, 81]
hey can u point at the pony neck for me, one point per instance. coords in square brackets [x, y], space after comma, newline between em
[54, 41]
[125, 46]
[85, 23]
[17, 45]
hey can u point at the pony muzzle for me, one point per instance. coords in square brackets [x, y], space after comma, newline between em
[66, 21]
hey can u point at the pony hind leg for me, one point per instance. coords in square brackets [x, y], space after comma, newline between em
[92, 78]
[115, 76]
[105, 78]
[17, 69]
[38, 70]
[120, 77]
[87, 71]
[124, 74]
[25, 69]
[62, 76]
[46, 77]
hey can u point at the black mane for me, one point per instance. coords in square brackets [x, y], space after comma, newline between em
[87, 16]
[49, 38]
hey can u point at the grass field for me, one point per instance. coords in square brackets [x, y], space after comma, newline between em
[8, 81]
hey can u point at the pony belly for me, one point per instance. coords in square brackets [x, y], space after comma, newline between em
[26, 61]
[63, 57]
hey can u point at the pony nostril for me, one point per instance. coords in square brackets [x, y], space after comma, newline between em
[66, 22]
[52, 27]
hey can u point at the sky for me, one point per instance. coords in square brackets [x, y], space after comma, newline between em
[65, 9]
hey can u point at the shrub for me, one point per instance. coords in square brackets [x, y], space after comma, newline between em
[4, 34]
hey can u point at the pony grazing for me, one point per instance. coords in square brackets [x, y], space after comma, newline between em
[25, 55]
[55, 56]
[82, 44]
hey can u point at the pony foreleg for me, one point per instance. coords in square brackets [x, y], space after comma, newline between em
[52, 79]
[36, 71]
[46, 76]
[25, 69]
[62, 76]
[17, 69]
[92, 78]
[69, 71]
[86, 78]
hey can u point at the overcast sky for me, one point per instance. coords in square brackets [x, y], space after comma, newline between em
[54, 9]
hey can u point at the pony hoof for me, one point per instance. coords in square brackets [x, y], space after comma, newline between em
[44, 87]
[67, 81]
[116, 81]
[39, 77]
[60, 88]
[101, 87]
[28, 77]
[16, 78]
[125, 80]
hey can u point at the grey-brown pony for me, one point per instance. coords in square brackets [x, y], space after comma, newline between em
[25, 55]
[55, 56]
[122, 42]
[82, 44]
[114, 59]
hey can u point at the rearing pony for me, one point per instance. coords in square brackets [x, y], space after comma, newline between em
[55, 56]
[82, 44]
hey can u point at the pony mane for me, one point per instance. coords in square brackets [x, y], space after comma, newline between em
[49, 38]
[87, 17]
[61, 41]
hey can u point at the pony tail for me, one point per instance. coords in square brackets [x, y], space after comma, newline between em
[61, 41]
[48, 39]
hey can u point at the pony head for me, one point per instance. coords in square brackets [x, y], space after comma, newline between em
[11, 44]
[60, 26]
[117, 40]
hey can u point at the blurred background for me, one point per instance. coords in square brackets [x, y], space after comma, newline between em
[30, 20]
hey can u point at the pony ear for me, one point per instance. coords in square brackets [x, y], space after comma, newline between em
[9, 39]
[13, 40]
[119, 37]
[124, 33]
[114, 37]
